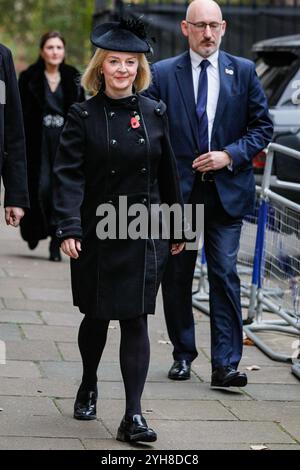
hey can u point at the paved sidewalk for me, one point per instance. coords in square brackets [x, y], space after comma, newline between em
[37, 385]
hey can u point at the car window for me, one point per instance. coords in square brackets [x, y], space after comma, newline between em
[278, 78]
[291, 94]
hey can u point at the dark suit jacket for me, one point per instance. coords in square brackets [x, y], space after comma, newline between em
[12, 140]
[242, 124]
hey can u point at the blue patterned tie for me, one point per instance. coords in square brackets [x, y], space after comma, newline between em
[201, 108]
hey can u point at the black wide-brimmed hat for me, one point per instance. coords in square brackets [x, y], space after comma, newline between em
[126, 35]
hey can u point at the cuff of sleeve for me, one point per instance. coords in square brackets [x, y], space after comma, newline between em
[70, 228]
[11, 200]
[230, 165]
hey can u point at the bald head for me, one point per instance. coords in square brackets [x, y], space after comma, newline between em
[200, 8]
[204, 27]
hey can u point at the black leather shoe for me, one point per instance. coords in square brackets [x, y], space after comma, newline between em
[135, 429]
[32, 244]
[180, 370]
[54, 249]
[85, 405]
[228, 377]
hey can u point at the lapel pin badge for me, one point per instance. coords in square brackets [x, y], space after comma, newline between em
[135, 122]
[229, 71]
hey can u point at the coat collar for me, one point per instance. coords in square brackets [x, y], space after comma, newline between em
[69, 81]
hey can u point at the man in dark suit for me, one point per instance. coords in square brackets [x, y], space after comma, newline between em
[12, 142]
[219, 121]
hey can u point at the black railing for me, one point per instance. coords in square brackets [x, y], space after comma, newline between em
[248, 22]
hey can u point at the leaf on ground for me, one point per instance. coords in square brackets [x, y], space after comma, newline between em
[248, 342]
[254, 367]
[259, 447]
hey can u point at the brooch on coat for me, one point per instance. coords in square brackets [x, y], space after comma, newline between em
[135, 121]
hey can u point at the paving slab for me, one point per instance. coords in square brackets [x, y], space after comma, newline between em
[201, 432]
[20, 369]
[10, 332]
[58, 295]
[170, 390]
[274, 392]
[11, 292]
[292, 426]
[52, 333]
[32, 350]
[262, 411]
[52, 426]
[173, 410]
[39, 443]
[39, 305]
[27, 406]
[61, 319]
[15, 316]
[38, 387]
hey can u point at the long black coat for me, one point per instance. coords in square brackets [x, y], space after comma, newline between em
[100, 158]
[12, 142]
[32, 91]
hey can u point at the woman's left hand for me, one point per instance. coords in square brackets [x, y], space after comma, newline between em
[177, 248]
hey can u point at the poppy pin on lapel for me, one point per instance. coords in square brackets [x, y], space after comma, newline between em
[135, 122]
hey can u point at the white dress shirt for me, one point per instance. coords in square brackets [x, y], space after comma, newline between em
[213, 81]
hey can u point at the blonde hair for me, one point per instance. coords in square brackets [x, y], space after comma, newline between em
[92, 79]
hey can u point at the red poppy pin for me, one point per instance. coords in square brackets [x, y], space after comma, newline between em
[135, 122]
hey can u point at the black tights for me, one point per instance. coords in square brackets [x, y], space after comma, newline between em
[134, 356]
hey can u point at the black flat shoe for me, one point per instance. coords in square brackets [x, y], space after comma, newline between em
[54, 249]
[135, 429]
[180, 370]
[228, 377]
[85, 405]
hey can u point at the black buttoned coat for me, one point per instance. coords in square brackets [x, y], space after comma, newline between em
[35, 225]
[12, 140]
[101, 157]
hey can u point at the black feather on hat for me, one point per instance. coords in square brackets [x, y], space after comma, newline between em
[126, 35]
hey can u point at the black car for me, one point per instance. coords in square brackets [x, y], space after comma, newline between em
[278, 67]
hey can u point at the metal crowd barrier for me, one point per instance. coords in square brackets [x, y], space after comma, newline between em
[268, 265]
[276, 269]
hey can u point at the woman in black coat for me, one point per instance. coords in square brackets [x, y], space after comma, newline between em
[47, 88]
[12, 142]
[115, 144]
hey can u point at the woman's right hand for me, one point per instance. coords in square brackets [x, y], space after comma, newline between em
[71, 247]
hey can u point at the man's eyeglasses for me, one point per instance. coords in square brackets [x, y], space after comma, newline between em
[214, 26]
